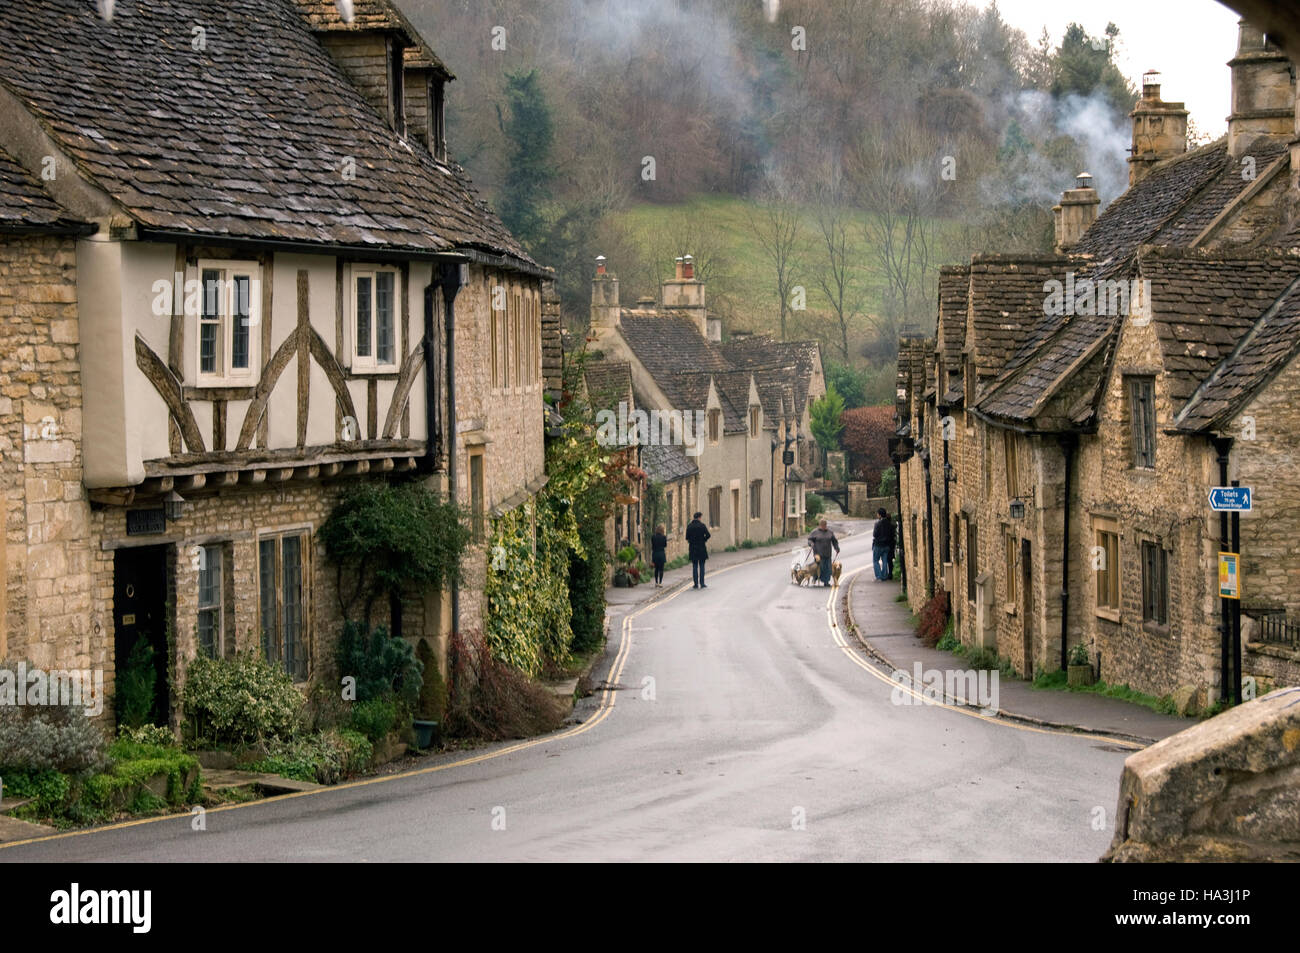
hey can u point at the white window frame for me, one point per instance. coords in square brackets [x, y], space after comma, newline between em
[370, 363]
[227, 375]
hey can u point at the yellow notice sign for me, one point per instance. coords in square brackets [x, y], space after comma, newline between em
[1229, 577]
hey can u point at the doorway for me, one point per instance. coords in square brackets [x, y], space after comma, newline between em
[1027, 598]
[735, 517]
[140, 586]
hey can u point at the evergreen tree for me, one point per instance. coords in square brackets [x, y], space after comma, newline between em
[530, 135]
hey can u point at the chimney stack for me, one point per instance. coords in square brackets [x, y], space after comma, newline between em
[1263, 91]
[604, 299]
[1159, 129]
[685, 293]
[1076, 213]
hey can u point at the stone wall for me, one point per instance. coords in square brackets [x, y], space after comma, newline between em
[47, 582]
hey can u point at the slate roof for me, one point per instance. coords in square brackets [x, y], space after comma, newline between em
[667, 463]
[608, 383]
[1006, 308]
[26, 206]
[954, 286]
[1262, 352]
[774, 361]
[1202, 306]
[667, 343]
[733, 394]
[246, 139]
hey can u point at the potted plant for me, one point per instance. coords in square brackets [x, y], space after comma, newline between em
[1079, 672]
[626, 574]
[432, 704]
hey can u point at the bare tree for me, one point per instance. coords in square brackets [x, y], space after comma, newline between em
[899, 180]
[778, 226]
[838, 277]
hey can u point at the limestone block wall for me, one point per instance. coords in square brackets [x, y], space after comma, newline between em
[47, 594]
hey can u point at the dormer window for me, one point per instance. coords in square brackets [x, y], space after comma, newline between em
[438, 119]
[396, 89]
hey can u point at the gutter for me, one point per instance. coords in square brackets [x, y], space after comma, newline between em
[54, 230]
[452, 277]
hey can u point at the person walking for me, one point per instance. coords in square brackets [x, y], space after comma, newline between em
[659, 554]
[882, 546]
[697, 534]
[822, 540]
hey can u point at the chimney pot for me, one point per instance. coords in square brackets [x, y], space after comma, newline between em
[600, 264]
[688, 268]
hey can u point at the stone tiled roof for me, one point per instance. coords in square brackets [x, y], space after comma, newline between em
[1203, 305]
[25, 205]
[667, 343]
[246, 139]
[1136, 216]
[733, 393]
[1006, 305]
[1218, 193]
[1263, 351]
[773, 360]
[954, 286]
[665, 464]
[608, 383]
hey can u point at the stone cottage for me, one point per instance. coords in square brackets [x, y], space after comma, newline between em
[228, 300]
[1060, 433]
[733, 407]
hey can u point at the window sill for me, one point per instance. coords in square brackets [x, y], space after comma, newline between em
[1009, 608]
[1156, 628]
[222, 383]
[1107, 614]
[385, 370]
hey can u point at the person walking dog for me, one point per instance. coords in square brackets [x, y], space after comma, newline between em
[882, 546]
[697, 534]
[659, 554]
[822, 540]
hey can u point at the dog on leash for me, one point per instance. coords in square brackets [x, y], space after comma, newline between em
[803, 575]
[836, 567]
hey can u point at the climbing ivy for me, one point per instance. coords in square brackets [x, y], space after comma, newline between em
[529, 616]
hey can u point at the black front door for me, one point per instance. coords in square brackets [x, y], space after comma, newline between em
[140, 626]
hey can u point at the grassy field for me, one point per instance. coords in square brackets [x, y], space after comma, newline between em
[743, 291]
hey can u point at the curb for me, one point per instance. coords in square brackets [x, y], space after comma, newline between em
[875, 653]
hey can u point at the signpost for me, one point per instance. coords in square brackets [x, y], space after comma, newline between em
[1230, 499]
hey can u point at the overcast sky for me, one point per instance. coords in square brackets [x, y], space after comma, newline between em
[1188, 41]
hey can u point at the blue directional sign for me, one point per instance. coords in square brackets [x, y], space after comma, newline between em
[1231, 499]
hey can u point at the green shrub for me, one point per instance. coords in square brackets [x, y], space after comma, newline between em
[159, 735]
[814, 507]
[239, 700]
[375, 718]
[47, 788]
[748, 544]
[135, 689]
[36, 738]
[949, 642]
[383, 666]
[326, 757]
[587, 585]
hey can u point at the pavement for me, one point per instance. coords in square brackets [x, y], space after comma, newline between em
[885, 628]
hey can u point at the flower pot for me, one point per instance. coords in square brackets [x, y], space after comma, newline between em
[425, 733]
[1079, 675]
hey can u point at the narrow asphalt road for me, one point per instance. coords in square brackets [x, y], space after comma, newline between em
[740, 729]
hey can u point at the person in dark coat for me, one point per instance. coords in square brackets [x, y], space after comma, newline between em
[822, 540]
[697, 534]
[882, 546]
[659, 554]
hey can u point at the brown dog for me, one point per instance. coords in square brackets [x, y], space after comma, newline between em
[802, 577]
[836, 567]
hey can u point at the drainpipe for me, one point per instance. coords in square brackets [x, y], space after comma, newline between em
[945, 540]
[898, 534]
[929, 527]
[452, 277]
[1235, 611]
[1223, 445]
[1068, 443]
[771, 488]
